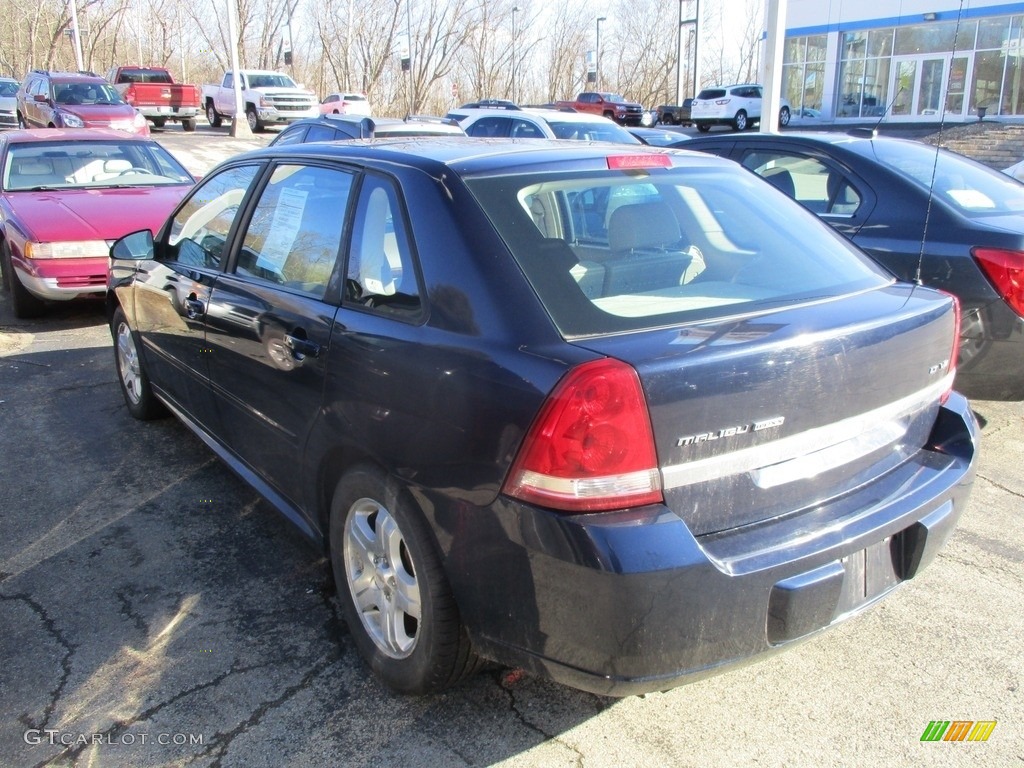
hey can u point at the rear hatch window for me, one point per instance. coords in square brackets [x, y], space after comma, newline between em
[611, 251]
[711, 93]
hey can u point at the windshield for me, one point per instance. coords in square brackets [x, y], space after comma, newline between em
[88, 164]
[969, 187]
[612, 251]
[271, 81]
[85, 94]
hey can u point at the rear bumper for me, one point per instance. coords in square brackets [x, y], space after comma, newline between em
[168, 113]
[627, 603]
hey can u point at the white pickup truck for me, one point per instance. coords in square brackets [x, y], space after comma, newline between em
[267, 98]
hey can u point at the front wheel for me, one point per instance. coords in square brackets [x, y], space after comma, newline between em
[784, 116]
[159, 122]
[189, 124]
[391, 586]
[211, 116]
[254, 122]
[740, 121]
[138, 394]
[25, 304]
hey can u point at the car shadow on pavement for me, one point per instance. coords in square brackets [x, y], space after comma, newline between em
[156, 611]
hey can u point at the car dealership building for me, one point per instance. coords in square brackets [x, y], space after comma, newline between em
[922, 60]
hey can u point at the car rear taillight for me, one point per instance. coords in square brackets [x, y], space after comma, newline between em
[1005, 270]
[591, 447]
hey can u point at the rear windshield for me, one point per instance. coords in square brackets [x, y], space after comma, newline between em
[971, 188]
[711, 93]
[612, 251]
[145, 76]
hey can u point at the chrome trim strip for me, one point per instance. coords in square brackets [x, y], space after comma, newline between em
[789, 456]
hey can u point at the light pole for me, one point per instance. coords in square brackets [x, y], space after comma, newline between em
[679, 51]
[515, 10]
[408, 34]
[597, 54]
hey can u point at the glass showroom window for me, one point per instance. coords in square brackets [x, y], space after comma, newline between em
[803, 73]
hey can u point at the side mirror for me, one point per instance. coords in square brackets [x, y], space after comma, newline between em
[136, 246]
[42, 98]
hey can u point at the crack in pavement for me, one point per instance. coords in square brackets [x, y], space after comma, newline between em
[521, 717]
[65, 662]
[119, 727]
[222, 741]
[1000, 486]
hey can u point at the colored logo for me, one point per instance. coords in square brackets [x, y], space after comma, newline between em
[958, 730]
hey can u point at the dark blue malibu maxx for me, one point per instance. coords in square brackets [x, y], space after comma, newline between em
[619, 416]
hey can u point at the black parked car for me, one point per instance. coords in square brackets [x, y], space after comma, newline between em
[614, 415]
[334, 127]
[966, 237]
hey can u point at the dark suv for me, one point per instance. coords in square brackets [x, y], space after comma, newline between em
[75, 100]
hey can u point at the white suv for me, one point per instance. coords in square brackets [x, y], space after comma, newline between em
[735, 105]
[541, 124]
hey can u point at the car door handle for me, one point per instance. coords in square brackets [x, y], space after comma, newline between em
[301, 347]
[194, 308]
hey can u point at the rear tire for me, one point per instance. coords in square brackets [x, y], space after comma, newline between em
[784, 116]
[212, 117]
[131, 374]
[392, 588]
[25, 305]
[703, 127]
[188, 124]
[159, 122]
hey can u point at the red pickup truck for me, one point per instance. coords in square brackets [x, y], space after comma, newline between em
[153, 92]
[610, 105]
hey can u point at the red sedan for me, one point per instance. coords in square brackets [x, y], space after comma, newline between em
[65, 196]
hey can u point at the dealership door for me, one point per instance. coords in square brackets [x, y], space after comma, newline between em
[929, 86]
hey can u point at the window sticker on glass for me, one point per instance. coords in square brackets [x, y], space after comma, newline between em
[283, 230]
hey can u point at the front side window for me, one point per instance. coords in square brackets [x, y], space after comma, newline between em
[614, 251]
[200, 228]
[294, 236]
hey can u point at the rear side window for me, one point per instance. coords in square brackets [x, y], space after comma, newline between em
[813, 184]
[489, 127]
[612, 251]
[381, 276]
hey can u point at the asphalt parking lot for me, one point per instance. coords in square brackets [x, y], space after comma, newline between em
[153, 611]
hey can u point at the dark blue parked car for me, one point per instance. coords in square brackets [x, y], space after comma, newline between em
[615, 415]
[927, 215]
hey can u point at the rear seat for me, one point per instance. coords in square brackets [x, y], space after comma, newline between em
[646, 250]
